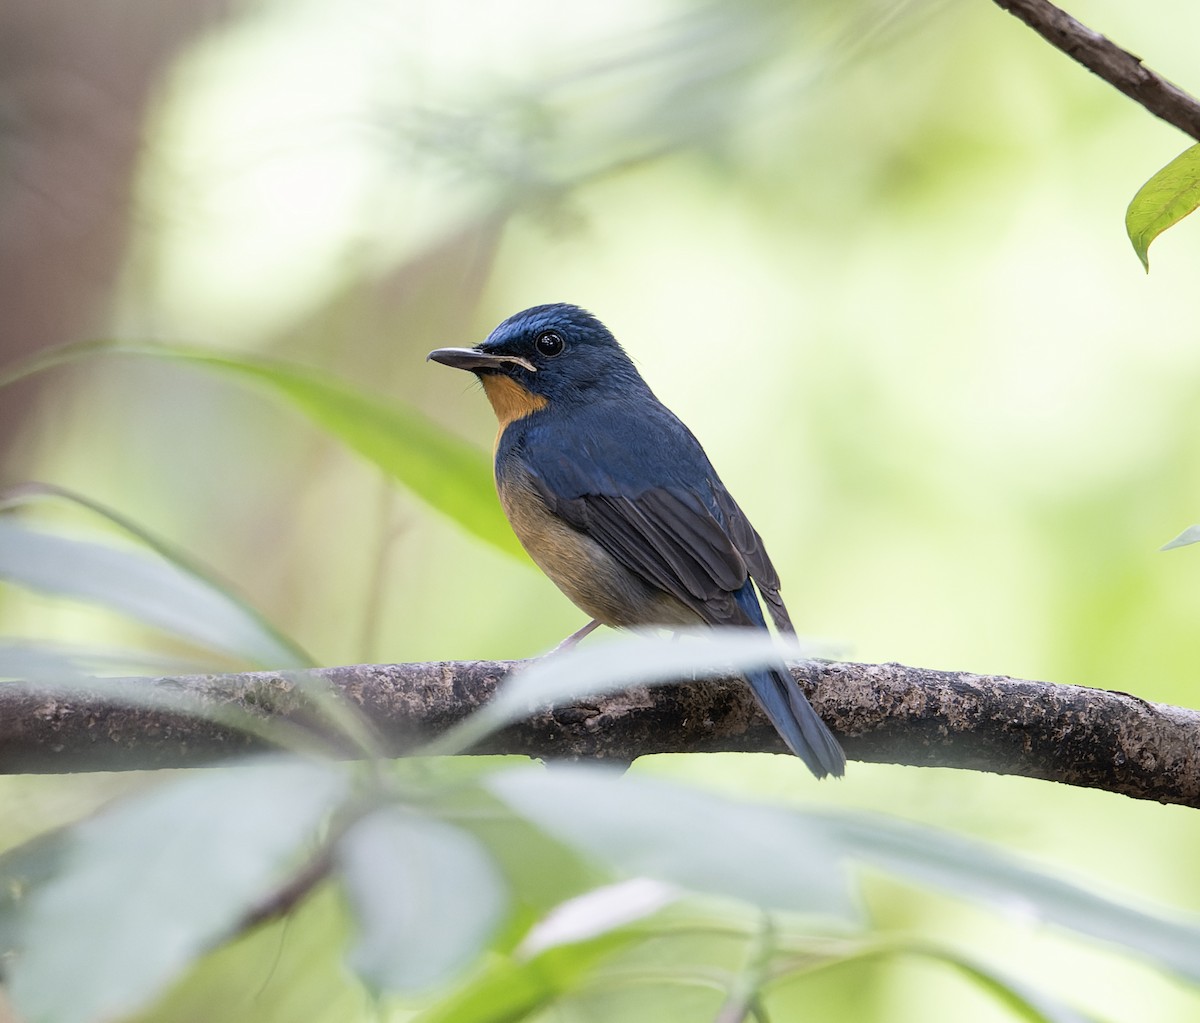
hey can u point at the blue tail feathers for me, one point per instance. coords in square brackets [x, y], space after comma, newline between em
[788, 708]
[794, 718]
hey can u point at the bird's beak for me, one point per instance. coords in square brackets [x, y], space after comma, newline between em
[472, 358]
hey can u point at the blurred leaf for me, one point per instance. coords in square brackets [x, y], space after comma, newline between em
[1163, 201]
[150, 884]
[597, 912]
[289, 970]
[779, 858]
[638, 659]
[29, 493]
[426, 896]
[24, 869]
[508, 990]
[1026, 1002]
[540, 873]
[151, 590]
[452, 476]
[39, 661]
[1188, 536]
[337, 712]
[989, 875]
[32, 662]
[770, 856]
[276, 651]
[299, 712]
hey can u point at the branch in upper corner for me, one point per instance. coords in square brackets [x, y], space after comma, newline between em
[1118, 67]
[883, 713]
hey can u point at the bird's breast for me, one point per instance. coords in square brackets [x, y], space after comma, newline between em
[591, 578]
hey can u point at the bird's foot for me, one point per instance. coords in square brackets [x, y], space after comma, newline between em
[575, 637]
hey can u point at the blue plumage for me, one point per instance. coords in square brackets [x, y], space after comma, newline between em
[790, 712]
[616, 501]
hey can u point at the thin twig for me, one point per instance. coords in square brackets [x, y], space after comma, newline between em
[744, 1001]
[1120, 68]
[284, 899]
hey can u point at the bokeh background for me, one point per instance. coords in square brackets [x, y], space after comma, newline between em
[872, 253]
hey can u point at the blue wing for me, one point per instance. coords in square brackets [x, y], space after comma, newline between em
[646, 492]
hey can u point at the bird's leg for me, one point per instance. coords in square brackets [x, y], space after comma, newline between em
[575, 637]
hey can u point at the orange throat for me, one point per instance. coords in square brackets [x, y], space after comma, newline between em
[509, 399]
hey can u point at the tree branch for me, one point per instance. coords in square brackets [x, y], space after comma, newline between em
[883, 713]
[1118, 67]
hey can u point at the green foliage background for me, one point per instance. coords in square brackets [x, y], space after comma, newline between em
[871, 253]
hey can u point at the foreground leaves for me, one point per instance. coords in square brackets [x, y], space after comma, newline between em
[496, 892]
[1189, 536]
[766, 855]
[785, 859]
[586, 671]
[1024, 1001]
[426, 895]
[149, 589]
[990, 876]
[270, 646]
[141, 890]
[124, 903]
[511, 989]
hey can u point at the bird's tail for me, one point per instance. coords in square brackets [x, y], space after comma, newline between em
[794, 718]
[785, 703]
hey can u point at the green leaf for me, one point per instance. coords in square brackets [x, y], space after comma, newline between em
[1027, 1002]
[147, 886]
[268, 646]
[509, 990]
[779, 858]
[539, 872]
[452, 476]
[985, 874]
[24, 869]
[449, 474]
[33, 492]
[596, 912]
[1188, 536]
[286, 971]
[32, 662]
[318, 713]
[1163, 201]
[643, 827]
[426, 895]
[148, 589]
[37, 661]
[638, 659]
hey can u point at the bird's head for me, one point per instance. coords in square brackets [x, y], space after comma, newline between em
[549, 355]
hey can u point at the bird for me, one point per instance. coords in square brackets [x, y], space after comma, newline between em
[615, 500]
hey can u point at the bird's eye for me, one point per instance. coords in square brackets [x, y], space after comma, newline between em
[549, 343]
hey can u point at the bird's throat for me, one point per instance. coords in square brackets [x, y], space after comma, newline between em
[509, 399]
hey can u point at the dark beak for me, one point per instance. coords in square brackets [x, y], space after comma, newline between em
[473, 359]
